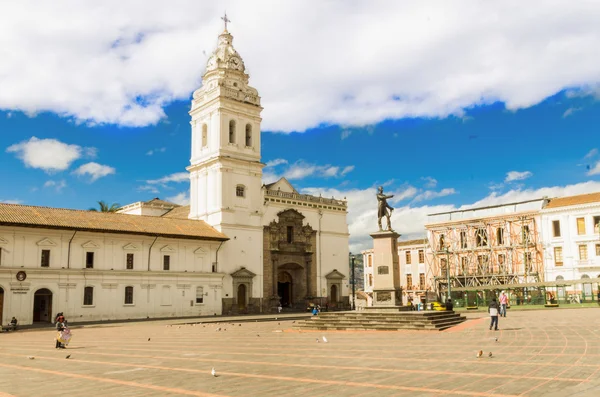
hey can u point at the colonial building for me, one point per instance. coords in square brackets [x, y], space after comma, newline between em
[240, 246]
[571, 235]
[412, 256]
[99, 266]
[413, 270]
[494, 245]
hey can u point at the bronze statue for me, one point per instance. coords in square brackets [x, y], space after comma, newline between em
[383, 207]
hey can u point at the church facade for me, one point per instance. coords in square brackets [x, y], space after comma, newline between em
[241, 246]
[284, 247]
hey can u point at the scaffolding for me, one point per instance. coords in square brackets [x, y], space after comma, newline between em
[493, 251]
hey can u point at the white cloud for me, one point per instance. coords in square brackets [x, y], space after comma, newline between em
[409, 220]
[595, 170]
[11, 201]
[570, 112]
[175, 178]
[182, 198]
[153, 151]
[56, 185]
[368, 61]
[49, 155]
[347, 169]
[148, 188]
[94, 170]
[430, 194]
[430, 182]
[301, 170]
[592, 153]
[276, 162]
[517, 176]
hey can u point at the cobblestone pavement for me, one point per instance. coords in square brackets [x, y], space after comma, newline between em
[538, 353]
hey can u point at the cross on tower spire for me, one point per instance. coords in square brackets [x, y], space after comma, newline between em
[225, 20]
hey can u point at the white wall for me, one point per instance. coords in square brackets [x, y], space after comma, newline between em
[573, 267]
[190, 267]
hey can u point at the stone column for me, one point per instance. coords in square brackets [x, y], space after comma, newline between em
[386, 270]
[274, 277]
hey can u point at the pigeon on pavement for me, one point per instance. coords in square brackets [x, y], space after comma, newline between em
[479, 353]
[148, 339]
[30, 357]
[68, 357]
[213, 372]
[325, 339]
[490, 354]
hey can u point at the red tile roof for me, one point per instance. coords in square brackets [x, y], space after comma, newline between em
[106, 222]
[574, 200]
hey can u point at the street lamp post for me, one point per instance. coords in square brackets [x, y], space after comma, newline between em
[353, 282]
[448, 271]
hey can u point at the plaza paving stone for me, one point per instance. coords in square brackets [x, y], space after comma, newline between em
[538, 353]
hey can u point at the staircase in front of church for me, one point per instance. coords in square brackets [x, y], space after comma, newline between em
[391, 321]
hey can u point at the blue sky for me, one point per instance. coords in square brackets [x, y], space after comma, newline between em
[507, 116]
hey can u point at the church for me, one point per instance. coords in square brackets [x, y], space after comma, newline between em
[241, 246]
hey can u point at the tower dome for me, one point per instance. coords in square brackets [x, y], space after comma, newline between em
[225, 56]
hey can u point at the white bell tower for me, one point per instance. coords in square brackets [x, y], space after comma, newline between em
[225, 170]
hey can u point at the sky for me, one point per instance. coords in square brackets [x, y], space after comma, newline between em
[447, 104]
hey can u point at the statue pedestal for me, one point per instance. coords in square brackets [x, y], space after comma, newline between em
[387, 292]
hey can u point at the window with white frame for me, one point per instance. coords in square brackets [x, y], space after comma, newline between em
[558, 256]
[129, 295]
[129, 261]
[240, 191]
[199, 294]
[583, 252]
[88, 296]
[555, 228]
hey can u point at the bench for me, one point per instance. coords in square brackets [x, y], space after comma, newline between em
[472, 307]
[551, 305]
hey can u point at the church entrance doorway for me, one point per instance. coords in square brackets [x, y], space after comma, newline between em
[284, 288]
[42, 306]
[1, 303]
[241, 296]
[333, 294]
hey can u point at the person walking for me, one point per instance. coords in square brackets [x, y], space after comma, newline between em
[61, 327]
[493, 310]
[503, 304]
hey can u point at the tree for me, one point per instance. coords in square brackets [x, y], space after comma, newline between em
[105, 208]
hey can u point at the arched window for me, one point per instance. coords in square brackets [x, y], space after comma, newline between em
[88, 296]
[231, 131]
[240, 191]
[559, 278]
[204, 135]
[248, 135]
[129, 295]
